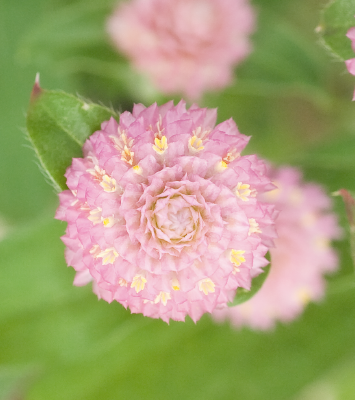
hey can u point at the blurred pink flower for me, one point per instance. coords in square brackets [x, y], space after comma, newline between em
[302, 254]
[162, 212]
[184, 46]
[350, 64]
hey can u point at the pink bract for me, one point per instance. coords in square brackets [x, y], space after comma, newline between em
[301, 257]
[350, 64]
[162, 212]
[184, 46]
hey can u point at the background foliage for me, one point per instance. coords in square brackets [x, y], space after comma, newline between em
[58, 341]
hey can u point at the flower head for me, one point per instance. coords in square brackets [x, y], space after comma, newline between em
[155, 221]
[301, 256]
[350, 64]
[184, 46]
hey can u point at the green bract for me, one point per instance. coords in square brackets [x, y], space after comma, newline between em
[58, 125]
[244, 295]
[337, 18]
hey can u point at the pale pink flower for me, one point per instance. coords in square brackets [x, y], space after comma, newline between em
[184, 46]
[162, 212]
[305, 227]
[350, 64]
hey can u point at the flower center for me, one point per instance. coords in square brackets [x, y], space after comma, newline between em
[176, 224]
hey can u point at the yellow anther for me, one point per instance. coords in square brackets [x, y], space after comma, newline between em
[243, 191]
[175, 284]
[138, 283]
[137, 169]
[108, 222]
[160, 145]
[236, 257]
[108, 256]
[195, 144]
[162, 297]
[108, 184]
[206, 286]
[221, 166]
[253, 227]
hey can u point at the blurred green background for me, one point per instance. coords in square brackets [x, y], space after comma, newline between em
[58, 341]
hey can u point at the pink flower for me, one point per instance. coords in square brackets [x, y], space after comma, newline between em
[301, 256]
[162, 212]
[350, 64]
[184, 46]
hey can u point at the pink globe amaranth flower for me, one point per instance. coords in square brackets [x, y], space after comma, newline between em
[302, 254]
[350, 64]
[162, 212]
[184, 46]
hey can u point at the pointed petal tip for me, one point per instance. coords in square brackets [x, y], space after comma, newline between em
[36, 90]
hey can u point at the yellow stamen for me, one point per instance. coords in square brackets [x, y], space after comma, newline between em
[195, 144]
[138, 283]
[243, 191]
[162, 297]
[221, 166]
[175, 284]
[236, 257]
[206, 286]
[253, 227]
[108, 184]
[108, 222]
[137, 169]
[108, 256]
[160, 145]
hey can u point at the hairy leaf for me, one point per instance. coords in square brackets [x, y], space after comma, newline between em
[58, 125]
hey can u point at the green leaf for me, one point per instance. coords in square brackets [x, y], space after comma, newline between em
[58, 125]
[244, 295]
[336, 19]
